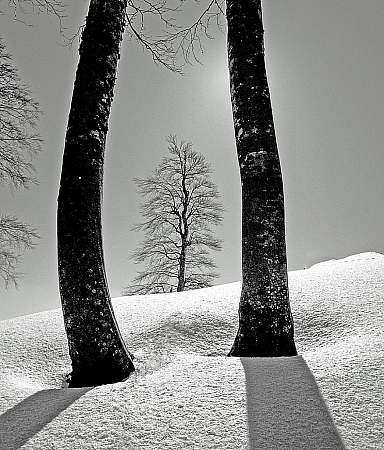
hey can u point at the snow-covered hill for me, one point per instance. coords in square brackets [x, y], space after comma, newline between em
[186, 394]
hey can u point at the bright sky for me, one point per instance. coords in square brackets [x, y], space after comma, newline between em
[325, 63]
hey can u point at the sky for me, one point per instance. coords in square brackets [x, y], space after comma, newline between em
[325, 65]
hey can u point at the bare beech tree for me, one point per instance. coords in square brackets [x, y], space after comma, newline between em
[181, 204]
[265, 319]
[19, 113]
[96, 348]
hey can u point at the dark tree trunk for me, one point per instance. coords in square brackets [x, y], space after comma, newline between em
[95, 345]
[265, 320]
[184, 232]
[181, 274]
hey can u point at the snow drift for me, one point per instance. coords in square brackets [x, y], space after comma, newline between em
[186, 393]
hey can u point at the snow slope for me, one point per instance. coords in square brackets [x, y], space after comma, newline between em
[186, 394]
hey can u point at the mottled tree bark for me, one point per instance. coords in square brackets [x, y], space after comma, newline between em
[265, 320]
[95, 345]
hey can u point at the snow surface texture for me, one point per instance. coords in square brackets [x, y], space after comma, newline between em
[185, 394]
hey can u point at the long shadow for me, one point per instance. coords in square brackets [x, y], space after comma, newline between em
[285, 407]
[28, 417]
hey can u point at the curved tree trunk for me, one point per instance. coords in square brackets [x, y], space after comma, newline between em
[265, 320]
[95, 345]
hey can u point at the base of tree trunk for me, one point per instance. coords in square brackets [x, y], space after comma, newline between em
[262, 344]
[239, 351]
[106, 372]
[265, 331]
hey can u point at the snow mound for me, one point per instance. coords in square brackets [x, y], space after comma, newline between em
[186, 393]
[360, 257]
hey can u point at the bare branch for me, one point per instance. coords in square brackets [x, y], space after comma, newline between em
[19, 113]
[18, 144]
[21, 8]
[173, 45]
[15, 238]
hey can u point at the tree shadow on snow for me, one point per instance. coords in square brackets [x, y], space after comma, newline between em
[201, 334]
[285, 407]
[24, 420]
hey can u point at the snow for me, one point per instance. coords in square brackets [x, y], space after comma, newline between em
[186, 393]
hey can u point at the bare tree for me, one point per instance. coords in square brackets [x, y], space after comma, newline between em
[97, 350]
[265, 319]
[15, 238]
[181, 204]
[19, 113]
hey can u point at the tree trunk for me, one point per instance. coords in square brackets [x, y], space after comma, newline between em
[265, 320]
[181, 273]
[96, 348]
